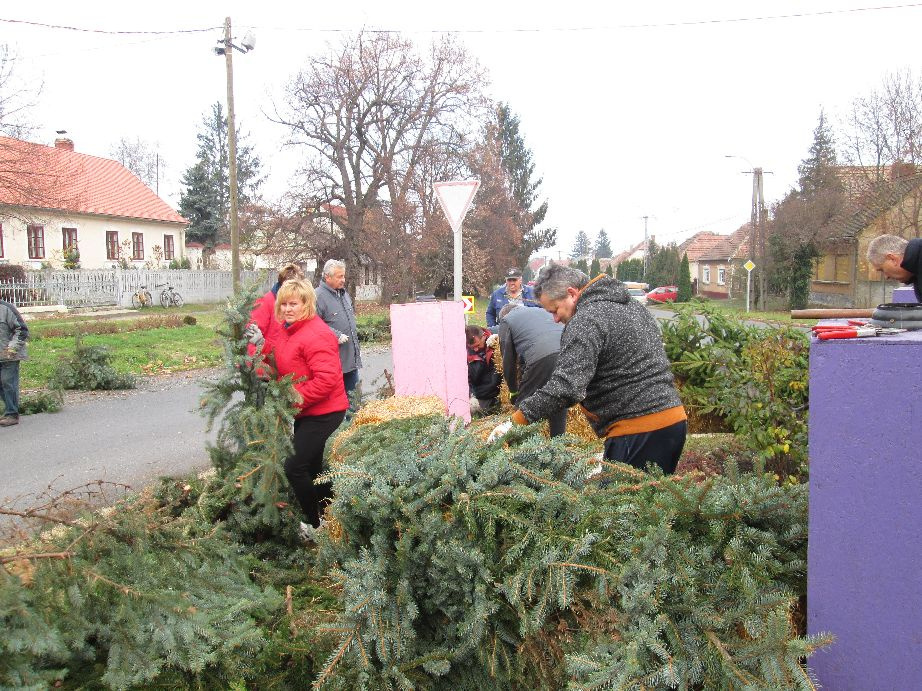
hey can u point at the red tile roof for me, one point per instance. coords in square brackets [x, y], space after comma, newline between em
[732, 246]
[54, 178]
[701, 245]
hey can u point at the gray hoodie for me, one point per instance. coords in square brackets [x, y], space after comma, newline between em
[611, 360]
[13, 332]
[335, 308]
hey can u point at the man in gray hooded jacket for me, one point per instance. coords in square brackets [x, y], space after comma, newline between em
[613, 363]
[13, 336]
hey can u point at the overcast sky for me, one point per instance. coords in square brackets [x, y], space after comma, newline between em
[628, 112]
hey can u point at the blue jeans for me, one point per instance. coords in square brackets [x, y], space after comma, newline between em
[9, 386]
[350, 382]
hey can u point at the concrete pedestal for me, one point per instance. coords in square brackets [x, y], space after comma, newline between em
[865, 552]
[430, 354]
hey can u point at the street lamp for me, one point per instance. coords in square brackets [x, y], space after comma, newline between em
[227, 50]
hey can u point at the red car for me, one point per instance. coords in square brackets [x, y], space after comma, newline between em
[663, 294]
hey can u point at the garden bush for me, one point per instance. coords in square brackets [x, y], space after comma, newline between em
[88, 369]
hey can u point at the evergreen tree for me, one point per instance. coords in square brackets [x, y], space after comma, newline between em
[602, 245]
[595, 268]
[630, 270]
[205, 199]
[582, 266]
[581, 246]
[520, 169]
[805, 217]
[685, 283]
[663, 265]
[609, 272]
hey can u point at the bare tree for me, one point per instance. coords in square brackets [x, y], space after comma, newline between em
[884, 142]
[141, 158]
[366, 117]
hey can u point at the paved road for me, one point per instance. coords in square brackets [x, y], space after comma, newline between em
[130, 437]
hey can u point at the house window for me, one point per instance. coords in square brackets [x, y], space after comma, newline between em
[137, 246]
[168, 247]
[843, 271]
[706, 274]
[721, 275]
[69, 237]
[35, 236]
[111, 244]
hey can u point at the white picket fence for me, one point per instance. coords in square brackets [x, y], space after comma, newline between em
[115, 287]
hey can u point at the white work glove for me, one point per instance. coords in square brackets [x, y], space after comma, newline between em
[500, 431]
[475, 404]
[491, 341]
[343, 338]
[254, 335]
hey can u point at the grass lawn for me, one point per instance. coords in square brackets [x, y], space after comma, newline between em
[148, 351]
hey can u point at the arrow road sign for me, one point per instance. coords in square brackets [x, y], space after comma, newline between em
[468, 302]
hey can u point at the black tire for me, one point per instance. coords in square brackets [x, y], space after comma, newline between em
[177, 299]
[165, 299]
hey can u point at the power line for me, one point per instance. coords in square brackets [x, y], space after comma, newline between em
[493, 30]
[106, 31]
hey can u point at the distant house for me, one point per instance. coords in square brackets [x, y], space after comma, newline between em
[697, 246]
[842, 276]
[53, 199]
[720, 271]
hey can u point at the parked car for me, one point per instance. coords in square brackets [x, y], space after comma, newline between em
[638, 294]
[663, 294]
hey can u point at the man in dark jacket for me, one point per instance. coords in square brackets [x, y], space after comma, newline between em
[513, 292]
[13, 336]
[334, 306]
[899, 259]
[611, 361]
[530, 341]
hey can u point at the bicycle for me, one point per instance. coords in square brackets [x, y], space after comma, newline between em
[142, 298]
[169, 297]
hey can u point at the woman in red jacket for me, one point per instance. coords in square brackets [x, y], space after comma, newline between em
[263, 314]
[305, 347]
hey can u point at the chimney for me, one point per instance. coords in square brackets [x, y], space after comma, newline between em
[64, 143]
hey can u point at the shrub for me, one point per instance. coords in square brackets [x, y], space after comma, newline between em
[89, 369]
[41, 402]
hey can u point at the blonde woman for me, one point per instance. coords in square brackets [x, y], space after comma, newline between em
[305, 347]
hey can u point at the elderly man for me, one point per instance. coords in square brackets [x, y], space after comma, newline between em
[512, 292]
[612, 361]
[13, 336]
[898, 259]
[334, 306]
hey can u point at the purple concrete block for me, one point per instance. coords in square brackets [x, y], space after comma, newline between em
[864, 579]
[904, 294]
[429, 352]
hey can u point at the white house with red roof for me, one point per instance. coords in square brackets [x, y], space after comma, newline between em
[53, 199]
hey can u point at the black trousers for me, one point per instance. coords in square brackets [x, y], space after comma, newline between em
[662, 446]
[310, 438]
[534, 376]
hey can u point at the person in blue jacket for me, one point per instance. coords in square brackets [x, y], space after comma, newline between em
[513, 292]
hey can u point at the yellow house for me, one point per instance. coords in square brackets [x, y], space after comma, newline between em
[842, 276]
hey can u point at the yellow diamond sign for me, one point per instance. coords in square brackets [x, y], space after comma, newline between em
[749, 266]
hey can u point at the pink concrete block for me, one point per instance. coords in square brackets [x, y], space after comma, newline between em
[429, 353]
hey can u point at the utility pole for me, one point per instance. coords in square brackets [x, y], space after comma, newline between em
[757, 234]
[232, 156]
[646, 249]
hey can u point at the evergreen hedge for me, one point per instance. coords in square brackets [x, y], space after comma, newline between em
[469, 565]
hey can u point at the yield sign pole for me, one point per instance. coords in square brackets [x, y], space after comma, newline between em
[455, 198]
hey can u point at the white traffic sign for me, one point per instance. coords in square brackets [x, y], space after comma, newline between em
[455, 198]
[749, 266]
